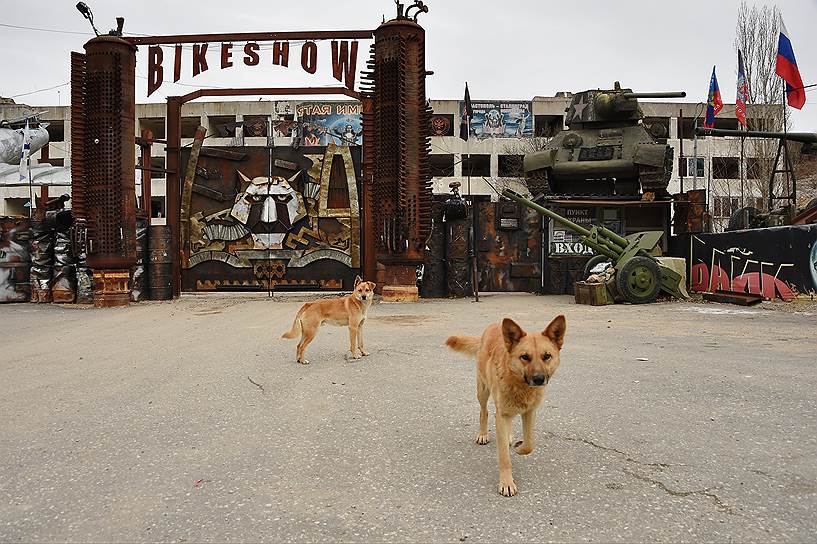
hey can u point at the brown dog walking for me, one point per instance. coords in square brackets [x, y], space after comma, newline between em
[512, 367]
[350, 310]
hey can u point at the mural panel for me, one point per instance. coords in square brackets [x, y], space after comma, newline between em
[262, 218]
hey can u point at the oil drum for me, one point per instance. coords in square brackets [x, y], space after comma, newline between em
[158, 263]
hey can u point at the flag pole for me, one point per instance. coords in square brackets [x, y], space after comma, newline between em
[474, 253]
[30, 190]
[742, 166]
[785, 132]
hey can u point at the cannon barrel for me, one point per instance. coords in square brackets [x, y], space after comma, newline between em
[670, 94]
[803, 137]
[601, 239]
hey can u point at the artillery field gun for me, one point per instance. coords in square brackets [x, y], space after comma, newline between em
[606, 149]
[639, 276]
[750, 217]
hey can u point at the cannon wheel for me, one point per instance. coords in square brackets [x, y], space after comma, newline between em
[639, 280]
[594, 260]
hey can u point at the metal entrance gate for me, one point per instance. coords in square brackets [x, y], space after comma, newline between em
[272, 218]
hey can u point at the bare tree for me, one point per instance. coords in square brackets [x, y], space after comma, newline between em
[515, 152]
[756, 35]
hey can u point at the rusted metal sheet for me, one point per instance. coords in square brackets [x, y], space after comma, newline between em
[78, 62]
[187, 188]
[259, 224]
[397, 142]
[690, 208]
[15, 260]
[434, 267]
[563, 273]
[508, 247]
[111, 288]
[109, 152]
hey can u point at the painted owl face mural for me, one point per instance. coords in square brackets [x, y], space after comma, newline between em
[268, 208]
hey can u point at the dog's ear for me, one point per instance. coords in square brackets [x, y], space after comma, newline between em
[511, 333]
[372, 285]
[358, 279]
[556, 330]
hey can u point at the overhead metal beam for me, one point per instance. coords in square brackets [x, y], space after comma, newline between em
[277, 91]
[253, 37]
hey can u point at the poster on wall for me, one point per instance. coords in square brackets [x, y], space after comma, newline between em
[327, 123]
[501, 119]
[563, 241]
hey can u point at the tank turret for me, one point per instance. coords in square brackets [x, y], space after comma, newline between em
[605, 149]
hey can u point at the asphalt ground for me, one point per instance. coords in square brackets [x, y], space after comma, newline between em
[191, 421]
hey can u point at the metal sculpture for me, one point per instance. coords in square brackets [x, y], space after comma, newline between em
[397, 135]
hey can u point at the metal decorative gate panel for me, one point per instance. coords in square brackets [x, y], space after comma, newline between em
[282, 218]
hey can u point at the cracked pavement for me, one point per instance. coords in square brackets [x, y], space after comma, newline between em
[191, 421]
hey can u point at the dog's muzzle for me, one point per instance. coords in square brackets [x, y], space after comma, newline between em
[538, 380]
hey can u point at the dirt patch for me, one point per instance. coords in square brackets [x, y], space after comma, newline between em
[406, 319]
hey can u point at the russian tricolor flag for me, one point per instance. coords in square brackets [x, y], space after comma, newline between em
[786, 68]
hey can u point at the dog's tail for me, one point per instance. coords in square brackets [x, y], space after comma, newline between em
[296, 328]
[468, 345]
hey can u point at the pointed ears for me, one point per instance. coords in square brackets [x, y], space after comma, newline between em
[511, 333]
[556, 330]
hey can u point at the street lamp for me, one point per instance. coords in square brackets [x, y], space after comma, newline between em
[83, 8]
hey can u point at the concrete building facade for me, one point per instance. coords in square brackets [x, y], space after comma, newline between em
[494, 161]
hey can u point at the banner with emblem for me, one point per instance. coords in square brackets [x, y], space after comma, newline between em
[501, 119]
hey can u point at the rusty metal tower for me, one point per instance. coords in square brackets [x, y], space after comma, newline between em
[396, 145]
[103, 161]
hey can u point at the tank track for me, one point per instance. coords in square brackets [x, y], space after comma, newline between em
[537, 182]
[656, 180]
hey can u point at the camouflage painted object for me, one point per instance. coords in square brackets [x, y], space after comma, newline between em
[606, 149]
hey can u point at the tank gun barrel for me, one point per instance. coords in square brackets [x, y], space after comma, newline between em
[670, 94]
[803, 137]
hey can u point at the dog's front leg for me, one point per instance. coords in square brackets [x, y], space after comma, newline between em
[528, 423]
[353, 331]
[507, 486]
[360, 339]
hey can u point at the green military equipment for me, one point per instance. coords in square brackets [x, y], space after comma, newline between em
[639, 276]
[749, 217]
[606, 148]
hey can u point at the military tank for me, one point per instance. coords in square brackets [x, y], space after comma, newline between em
[605, 150]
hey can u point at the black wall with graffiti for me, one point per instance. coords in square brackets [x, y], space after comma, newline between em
[777, 262]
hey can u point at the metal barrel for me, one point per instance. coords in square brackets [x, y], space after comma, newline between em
[669, 94]
[15, 260]
[804, 137]
[159, 285]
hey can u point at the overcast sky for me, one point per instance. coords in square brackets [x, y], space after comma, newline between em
[511, 49]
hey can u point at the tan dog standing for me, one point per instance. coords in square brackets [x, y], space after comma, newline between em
[349, 310]
[512, 367]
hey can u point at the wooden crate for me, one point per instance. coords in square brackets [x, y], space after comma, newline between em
[594, 294]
